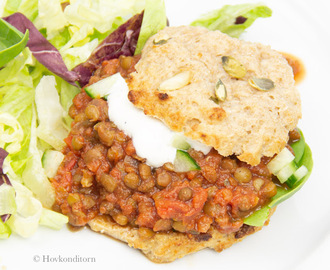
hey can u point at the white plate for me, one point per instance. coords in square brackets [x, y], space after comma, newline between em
[298, 236]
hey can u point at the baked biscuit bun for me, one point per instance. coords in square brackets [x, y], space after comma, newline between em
[249, 123]
[167, 247]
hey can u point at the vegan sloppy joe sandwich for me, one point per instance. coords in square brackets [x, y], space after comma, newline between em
[189, 145]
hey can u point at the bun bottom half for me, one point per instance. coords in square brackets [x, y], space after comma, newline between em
[167, 247]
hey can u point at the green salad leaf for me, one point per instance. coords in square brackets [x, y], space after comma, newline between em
[34, 175]
[233, 19]
[50, 9]
[299, 147]
[5, 230]
[16, 98]
[284, 194]
[52, 219]
[18, 136]
[154, 20]
[7, 200]
[259, 217]
[51, 128]
[26, 219]
[12, 42]
[28, 7]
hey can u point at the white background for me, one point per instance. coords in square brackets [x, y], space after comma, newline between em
[298, 236]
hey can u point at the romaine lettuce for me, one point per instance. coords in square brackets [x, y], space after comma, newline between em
[154, 20]
[28, 7]
[52, 219]
[50, 17]
[233, 19]
[16, 98]
[34, 175]
[18, 80]
[7, 200]
[5, 230]
[26, 219]
[50, 113]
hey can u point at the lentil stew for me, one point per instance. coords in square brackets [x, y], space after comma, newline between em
[102, 175]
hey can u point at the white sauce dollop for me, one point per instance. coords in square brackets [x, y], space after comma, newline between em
[152, 139]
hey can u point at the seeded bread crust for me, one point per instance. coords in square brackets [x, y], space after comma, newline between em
[167, 247]
[249, 123]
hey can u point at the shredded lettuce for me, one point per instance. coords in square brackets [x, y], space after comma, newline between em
[16, 98]
[34, 175]
[154, 20]
[2, 7]
[50, 113]
[11, 133]
[7, 200]
[52, 219]
[27, 212]
[27, 7]
[7, 192]
[101, 14]
[73, 56]
[5, 230]
[233, 19]
[50, 17]
[18, 136]
[19, 159]
[26, 219]
[66, 92]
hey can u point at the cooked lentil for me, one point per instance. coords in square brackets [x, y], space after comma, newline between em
[243, 174]
[185, 194]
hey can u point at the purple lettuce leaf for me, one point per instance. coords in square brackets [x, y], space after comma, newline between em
[42, 49]
[120, 42]
[3, 178]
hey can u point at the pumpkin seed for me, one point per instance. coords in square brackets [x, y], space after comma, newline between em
[160, 40]
[176, 82]
[262, 84]
[214, 99]
[233, 67]
[220, 91]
